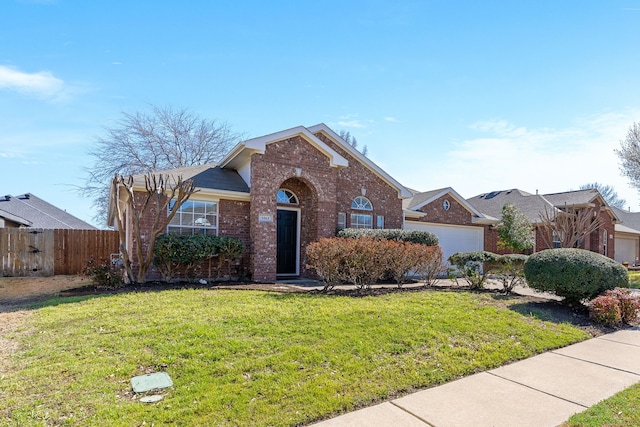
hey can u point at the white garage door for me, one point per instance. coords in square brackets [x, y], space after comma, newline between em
[452, 238]
[626, 249]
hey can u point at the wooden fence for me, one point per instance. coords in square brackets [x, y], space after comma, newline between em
[40, 252]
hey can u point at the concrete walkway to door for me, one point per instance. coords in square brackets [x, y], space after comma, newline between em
[544, 390]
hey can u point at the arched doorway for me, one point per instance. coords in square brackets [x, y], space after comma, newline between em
[296, 225]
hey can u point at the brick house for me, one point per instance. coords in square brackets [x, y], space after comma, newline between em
[533, 205]
[459, 226]
[282, 191]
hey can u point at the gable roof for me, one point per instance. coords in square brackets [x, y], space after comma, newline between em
[630, 221]
[412, 205]
[208, 176]
[529, 204]
[241, 153]
[34, 212]
[532, 205]
[403, 192]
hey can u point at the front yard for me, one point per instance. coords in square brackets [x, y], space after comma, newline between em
[255, 358]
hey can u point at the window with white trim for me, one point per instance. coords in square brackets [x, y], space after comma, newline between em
[361, 220]
[194, 217]
[286, 197]
[556, 240]
[380, 221]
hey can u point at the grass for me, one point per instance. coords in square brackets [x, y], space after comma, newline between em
[254, 358]
[622, 409]
[634, 279]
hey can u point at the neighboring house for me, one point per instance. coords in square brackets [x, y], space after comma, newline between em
[27, 210]
[627, 236]
[535, 205]
[459, 226]
[282, 191]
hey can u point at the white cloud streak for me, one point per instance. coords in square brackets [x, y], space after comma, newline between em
[42, 84]
[505, 155]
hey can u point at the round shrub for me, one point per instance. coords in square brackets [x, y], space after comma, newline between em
[575, 274]
[411, 236]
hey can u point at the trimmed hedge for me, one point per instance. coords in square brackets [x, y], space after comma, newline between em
[365, 260]
[575, 274]
[411, 236]
[173, 253]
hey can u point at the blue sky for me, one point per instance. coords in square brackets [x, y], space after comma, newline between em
[478, 96]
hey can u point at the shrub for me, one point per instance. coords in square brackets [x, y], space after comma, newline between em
[509, 270]
[230, 250]
[615, 306]
[363, 261]
[575, 274]
[411, 236]
[606, 310]
[102, 273]
[327, 257]
[173, 253]
[473, 266]
[430, 266]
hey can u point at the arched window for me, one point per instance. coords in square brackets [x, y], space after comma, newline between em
[286, 197]
[361, 220]
[362, 204]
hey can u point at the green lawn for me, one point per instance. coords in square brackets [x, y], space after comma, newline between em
[634, 279]
[254, 358]
[622, 409]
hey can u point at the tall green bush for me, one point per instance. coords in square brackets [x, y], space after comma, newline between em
[575, 274]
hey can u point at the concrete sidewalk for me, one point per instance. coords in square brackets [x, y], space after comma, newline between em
[544, 390]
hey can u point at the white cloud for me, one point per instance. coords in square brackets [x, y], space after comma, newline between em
[351, 124]
[42, 84]
[391, 119]
[506, 155]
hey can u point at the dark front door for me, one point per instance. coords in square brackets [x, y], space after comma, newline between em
[287, 249]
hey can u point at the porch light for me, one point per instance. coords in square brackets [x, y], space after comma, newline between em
[298, 172]
[363, 191]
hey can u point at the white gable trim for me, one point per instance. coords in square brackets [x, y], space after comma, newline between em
[403, 192]
[454, 194]
[243, 151]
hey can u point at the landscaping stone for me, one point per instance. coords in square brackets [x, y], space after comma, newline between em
[148, 382]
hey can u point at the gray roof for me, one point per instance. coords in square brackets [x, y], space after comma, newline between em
[573, 198]
[40, 214]
[531, 205]
[419, 198]
[628, 219]
[207, 176]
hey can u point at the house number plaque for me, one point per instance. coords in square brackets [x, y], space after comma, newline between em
[265, 218]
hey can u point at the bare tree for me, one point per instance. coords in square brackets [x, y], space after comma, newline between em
[569, 226]
[351, 140]
[608, 194]
[629, 154]
[139, 143]
[160, 191]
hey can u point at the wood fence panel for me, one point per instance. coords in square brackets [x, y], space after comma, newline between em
[74, 247]
[36, 252]
[26, 252]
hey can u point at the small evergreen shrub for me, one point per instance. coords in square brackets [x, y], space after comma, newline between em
[509, 270]
[474, 266]
[575, 274]
[102, 273]
[411, 236]
[616, 306]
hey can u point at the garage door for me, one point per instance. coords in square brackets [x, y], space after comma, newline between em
[626, 249]
[452, 238]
